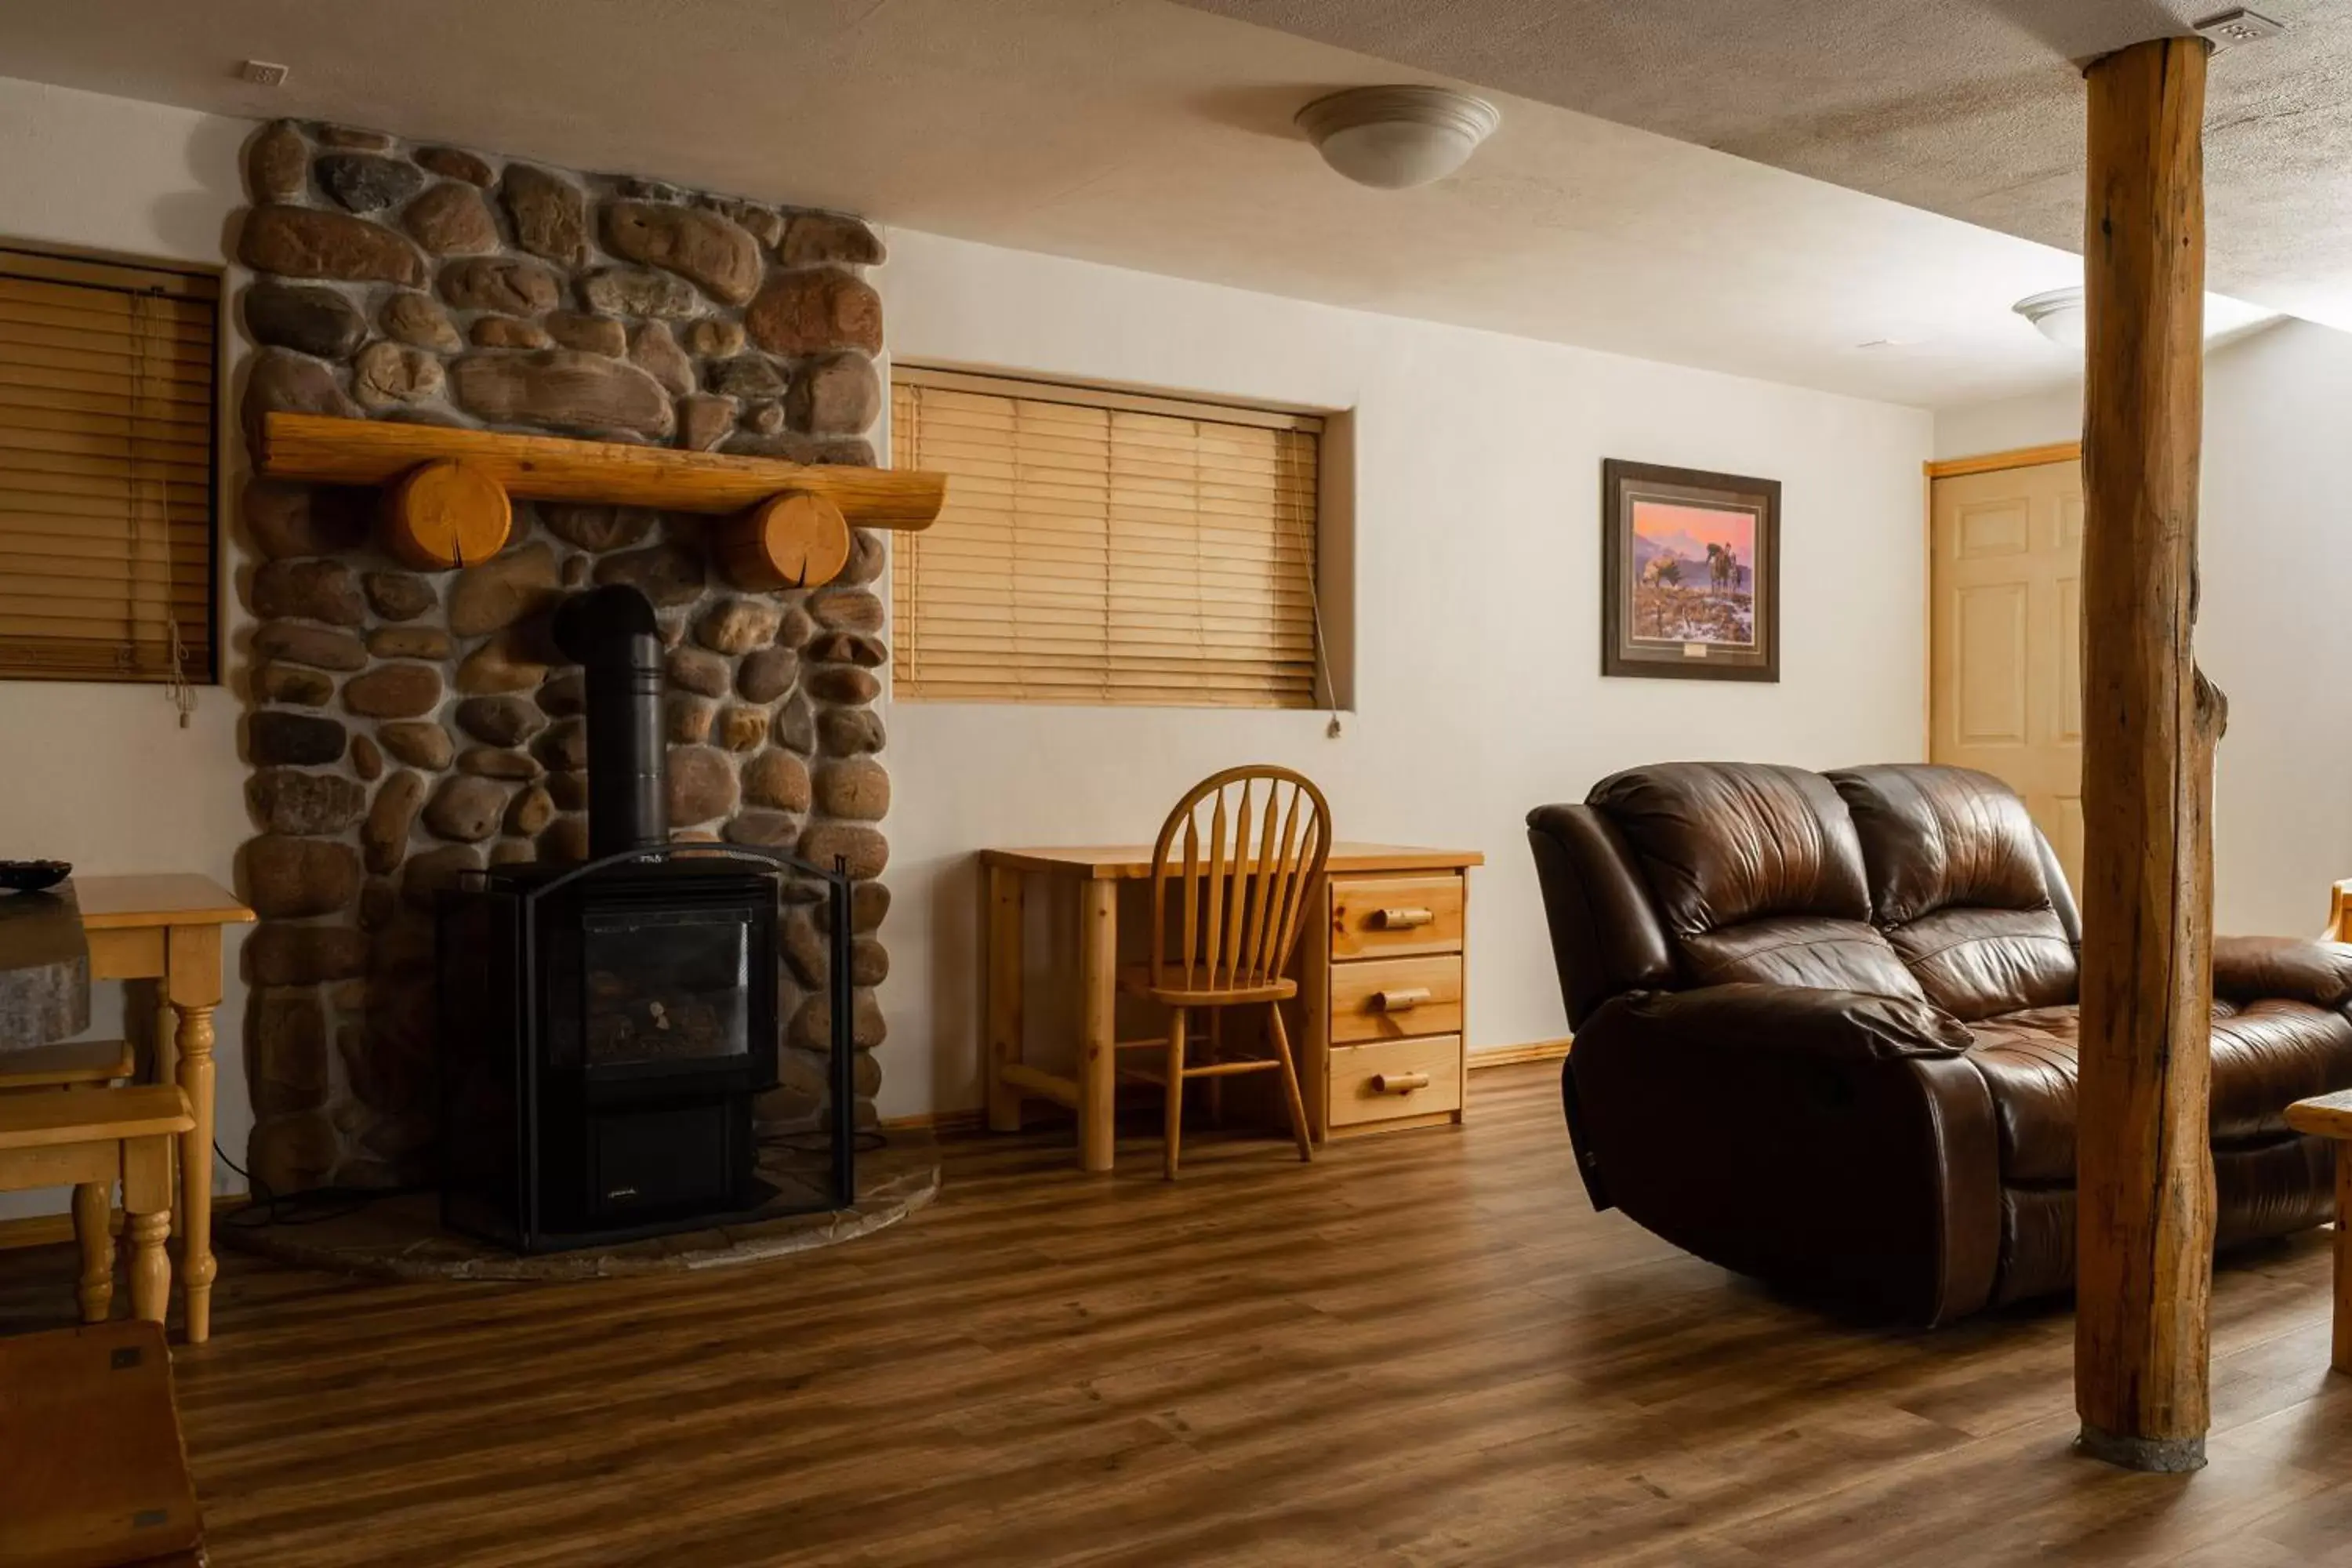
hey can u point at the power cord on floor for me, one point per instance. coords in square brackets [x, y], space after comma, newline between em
[315, 1207]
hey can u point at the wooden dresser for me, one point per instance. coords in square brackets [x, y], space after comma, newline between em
[1381, 984]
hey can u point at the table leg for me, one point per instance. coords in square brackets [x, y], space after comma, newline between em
[167, 1071]
[1004, 973]
[193, 987]
[2343, 1359]
[1097, 1071]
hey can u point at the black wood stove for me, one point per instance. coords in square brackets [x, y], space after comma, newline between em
[605, 1027]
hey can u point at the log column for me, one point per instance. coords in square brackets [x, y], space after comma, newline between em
[2144, 1167]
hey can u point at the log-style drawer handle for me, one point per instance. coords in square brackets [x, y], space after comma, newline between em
[1401, 920]
[1404, 999]
[1399, 1082]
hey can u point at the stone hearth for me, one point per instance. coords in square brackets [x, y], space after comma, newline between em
[405, 727]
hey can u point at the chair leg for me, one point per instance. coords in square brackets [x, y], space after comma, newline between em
[1216, 1086]
[146, 1221]
[151, 1270]
[1174, 1129]
[93, 1203]
[1290, 1085]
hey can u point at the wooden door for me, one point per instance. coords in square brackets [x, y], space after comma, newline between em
[2005, 674]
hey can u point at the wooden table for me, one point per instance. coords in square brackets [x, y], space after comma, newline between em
[2330, 1116]
[168, 929]
[1356, 878]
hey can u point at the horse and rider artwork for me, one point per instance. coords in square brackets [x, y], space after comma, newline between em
[1690, 574]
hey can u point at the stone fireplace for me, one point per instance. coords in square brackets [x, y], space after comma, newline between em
[405, 727]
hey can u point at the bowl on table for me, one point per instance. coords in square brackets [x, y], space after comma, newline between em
[32, 876]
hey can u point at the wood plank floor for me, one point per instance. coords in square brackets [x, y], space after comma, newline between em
[1422, 1350]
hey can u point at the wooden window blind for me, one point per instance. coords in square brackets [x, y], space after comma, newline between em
[1103, 547]
[107, 444]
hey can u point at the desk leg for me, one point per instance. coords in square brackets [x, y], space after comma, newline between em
[193, 987]
[2344, 1257]
[1005, 980]
[1097, 1047]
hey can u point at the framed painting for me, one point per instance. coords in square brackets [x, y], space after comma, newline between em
[1690, 574]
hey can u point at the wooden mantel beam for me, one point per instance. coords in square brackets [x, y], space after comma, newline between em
[316, 449]
[2144, 1160]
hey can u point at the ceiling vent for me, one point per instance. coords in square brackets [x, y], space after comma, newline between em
[2237, 27]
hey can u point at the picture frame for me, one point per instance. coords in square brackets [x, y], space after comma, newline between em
[1690, 574]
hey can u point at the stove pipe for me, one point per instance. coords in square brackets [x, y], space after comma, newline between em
[611, 632]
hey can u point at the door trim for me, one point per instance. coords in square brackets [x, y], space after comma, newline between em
[2015, 457]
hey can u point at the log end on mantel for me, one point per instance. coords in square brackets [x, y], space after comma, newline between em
[796, 539]
[445, 515]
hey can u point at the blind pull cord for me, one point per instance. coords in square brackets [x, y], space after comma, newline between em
[176, 689]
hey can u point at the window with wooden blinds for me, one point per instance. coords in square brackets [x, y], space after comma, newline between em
[1103, 547]
[107, 422]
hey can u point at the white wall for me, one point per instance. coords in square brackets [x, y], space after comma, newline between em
[2273, 631]
[96, 773]
[1476, 596]
[1477, 551]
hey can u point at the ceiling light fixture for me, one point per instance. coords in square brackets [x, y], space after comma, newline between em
[2056, 314]
[1395, 137]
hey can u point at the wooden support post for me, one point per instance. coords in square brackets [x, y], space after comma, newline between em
[2144, 1169]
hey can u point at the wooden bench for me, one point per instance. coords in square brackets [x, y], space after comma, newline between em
[2329, 1116]
[95, 1474]
[90, 1139]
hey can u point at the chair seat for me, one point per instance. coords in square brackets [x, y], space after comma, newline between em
[1136, 980]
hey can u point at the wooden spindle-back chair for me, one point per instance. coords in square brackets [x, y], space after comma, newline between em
[1233, 877]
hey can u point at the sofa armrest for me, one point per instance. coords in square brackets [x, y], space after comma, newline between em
[1838, 1144]
[1823, 1024]
[2254, 968]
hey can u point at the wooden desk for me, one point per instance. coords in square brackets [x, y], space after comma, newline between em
[1361, 1067]
[167, 928]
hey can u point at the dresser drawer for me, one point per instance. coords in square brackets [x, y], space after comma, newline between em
[1374, 917]
[1397, 1077]
[1388, 998]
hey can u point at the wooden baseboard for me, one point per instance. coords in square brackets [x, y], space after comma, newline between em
[1515, 1056]
[51, 1230]
[941, 1122]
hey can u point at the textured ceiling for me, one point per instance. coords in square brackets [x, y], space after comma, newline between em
[1142, 134]
[1969, 108]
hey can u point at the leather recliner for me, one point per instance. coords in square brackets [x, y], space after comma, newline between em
[1825, 1033]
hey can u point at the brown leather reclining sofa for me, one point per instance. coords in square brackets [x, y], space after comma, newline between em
[1825, 1031]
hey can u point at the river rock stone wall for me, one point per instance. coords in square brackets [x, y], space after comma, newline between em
[404, 727]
